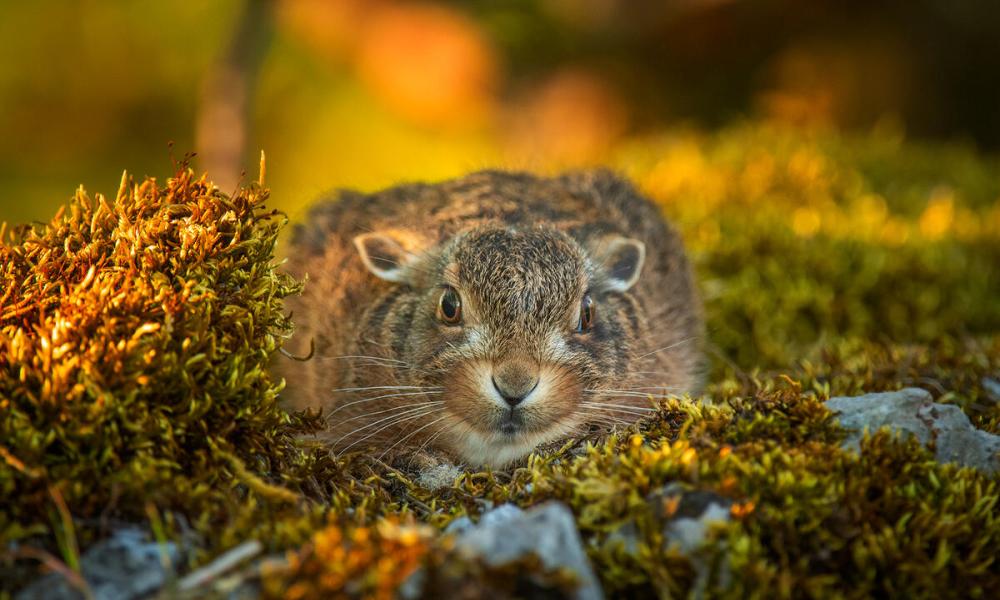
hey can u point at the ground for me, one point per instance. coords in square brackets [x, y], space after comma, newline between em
[135, 336]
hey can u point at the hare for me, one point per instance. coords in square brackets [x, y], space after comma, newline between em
[489, 314]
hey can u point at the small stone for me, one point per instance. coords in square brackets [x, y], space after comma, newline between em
[691, 503]
[127, 565]
[912, 411]
[626, 537]
[688, 514]
[688, 534]
[501, 515]
[459, 525]
[549, 530]
[992, 387]
[413, 586]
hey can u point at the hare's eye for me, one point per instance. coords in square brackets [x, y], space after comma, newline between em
[450, 306]
[587, 314]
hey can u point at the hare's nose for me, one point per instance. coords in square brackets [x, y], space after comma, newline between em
[514, 382]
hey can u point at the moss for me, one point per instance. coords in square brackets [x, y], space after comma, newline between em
[802, 241]
[370, 561]
[134, 340]
[375, 562]
[136, 334]
[810, 519]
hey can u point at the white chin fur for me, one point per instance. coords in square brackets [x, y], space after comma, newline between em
[497, 450]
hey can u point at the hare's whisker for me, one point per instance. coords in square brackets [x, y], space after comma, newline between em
[393, 409]
[620, 407]
[450, 427]
[405, 419]
[382, 397]
[383, 359]
[428, 442]
[386, 387]
[674, 345]
[404, 413]
[650, 387]
[411, 434]
[622, 393]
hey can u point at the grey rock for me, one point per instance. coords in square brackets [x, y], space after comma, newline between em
[691, 503]
[625, 536]
[412, 587]
[501, 516]
[549, 530]
[912, 411]
[459, 525]
[695, 514]
[697, 511]
[125, 566]
[686, 526]
[688, 534]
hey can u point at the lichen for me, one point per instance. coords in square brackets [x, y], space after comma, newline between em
[135, 339]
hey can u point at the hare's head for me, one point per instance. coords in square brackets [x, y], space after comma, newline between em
[519, 328]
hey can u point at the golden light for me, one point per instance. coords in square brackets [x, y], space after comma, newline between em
[429, 63]
[937, 218]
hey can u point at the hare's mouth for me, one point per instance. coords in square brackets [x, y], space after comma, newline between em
[508, 440]
[512, 423]
[491, 428]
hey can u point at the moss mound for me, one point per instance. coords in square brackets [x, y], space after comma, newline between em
[135, 337]
[134, 341]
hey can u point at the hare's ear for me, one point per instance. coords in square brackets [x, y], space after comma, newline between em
[384, 256]
[620, 259]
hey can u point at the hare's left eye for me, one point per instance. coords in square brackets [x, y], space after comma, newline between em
[450, 306]
[587, 314]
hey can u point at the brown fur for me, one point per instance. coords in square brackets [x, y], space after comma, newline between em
[521, 251]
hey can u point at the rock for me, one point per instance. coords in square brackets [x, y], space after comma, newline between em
[127, 565]
[412, 587]
[690, 515]
[688, 534]
[459, 525]
[992, 387]
[501, 516]
[690, 503]
[694, 513]
[914, 412]
[548, 530]
[625, 536]
[686, 514]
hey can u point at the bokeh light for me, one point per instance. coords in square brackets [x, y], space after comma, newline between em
[365, 93]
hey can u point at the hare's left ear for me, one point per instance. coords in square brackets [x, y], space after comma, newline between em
[384, 255]
[620, 258]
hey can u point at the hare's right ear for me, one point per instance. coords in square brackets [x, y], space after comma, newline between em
[384, 256]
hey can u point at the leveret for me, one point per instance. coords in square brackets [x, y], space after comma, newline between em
[489, 314]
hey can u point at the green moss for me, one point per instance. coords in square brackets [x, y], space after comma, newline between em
[136, 335]
[812, 519]
[134, 341]
[802, 241]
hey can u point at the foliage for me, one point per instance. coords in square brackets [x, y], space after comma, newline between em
[133, 387]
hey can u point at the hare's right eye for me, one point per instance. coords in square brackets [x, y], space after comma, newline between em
[450, 306]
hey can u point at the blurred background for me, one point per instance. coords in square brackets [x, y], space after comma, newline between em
[365, 93]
